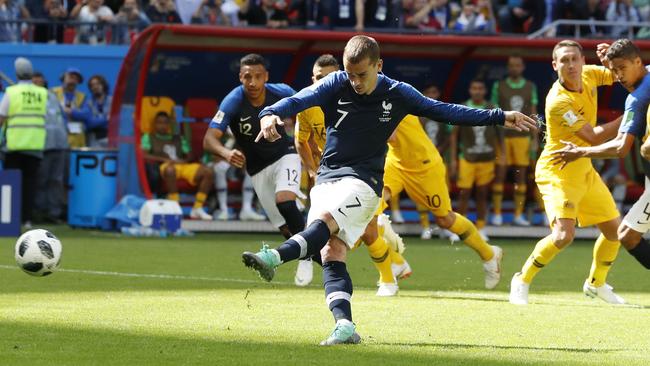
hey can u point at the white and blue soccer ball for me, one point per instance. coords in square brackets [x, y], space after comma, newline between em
[38, 252]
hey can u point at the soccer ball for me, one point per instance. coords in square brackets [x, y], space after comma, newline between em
[38, 252]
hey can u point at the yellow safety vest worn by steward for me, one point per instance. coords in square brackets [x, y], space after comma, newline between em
[25, 128]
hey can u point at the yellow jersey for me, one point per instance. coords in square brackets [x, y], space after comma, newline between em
[411, 149]
[310, 122]
[566, 113]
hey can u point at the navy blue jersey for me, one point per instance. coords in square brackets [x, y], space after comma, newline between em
[238, 113]
[635, 117]
[358, 126]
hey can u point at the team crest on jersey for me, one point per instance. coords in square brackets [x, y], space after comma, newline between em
[570, 117]
[385, 115]
[218, 118]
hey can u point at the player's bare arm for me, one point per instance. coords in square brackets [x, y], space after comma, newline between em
[212, 143]
[601, 133]
[619, 147]
[645, 149]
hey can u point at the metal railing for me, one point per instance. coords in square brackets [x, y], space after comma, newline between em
[551, 29]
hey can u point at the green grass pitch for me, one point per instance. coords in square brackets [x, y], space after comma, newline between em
[190, 301]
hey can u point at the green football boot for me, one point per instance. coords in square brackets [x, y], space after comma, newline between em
[264, 262]
[344, 333]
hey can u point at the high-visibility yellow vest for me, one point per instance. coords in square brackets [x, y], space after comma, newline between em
[25, 128]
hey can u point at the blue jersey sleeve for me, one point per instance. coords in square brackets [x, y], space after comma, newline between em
[455, 114]
[636, 109]
[281, 90]
[227, 109]
[307, 97]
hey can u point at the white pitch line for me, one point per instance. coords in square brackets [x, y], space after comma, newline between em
[152, 275]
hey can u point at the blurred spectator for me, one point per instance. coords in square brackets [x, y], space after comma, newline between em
[48, 10]
[162, 146]
[309, 13]
[377, 14]
[99, 108]
[621, 11]
[587, 10]
[128, 21]
[162, 11]
[470, 19]
[271, 13]
[209, 12]
[9, 12]
[522, 16]
[22, 114]
[49, 195]
[433, 15]
[73, 103]
[343, 13]
[485, 8]
[91, 11]
[643, 7]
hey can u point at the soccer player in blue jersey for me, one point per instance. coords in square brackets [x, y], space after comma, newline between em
[624, 58]
[362, 109]
[274, 167]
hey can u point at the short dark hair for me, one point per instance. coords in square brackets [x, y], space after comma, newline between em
[327, 60]
[361, 47]
[478, 80]
[253, 59]
[102, 80]
[567, 43]
[38, 74]
[161, 114]
[623, 48]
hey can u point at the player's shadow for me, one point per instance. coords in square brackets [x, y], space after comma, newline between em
[23, 343]
[474, 297]
[504, 347]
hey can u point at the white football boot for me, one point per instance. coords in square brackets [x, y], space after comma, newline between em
[304, 273]
[518, 290]
[604, 292]
[492, 268]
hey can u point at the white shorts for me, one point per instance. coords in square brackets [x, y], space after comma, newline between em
[350, 201]
[283, 175]
[638, 218]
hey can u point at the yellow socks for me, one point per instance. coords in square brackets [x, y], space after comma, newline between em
[395, 257]
[542, 255]
[380, 254]
[605, 252]
[200, 200]
[173, 196]
[497, 197]
[469, 234]
[424, 217]
[520, 199]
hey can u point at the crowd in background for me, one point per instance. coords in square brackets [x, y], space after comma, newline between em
[118, 21]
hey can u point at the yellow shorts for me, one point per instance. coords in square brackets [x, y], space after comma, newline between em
[518, 151]
[427, 187]
[183, 171]
[585, 199]
[481, 173]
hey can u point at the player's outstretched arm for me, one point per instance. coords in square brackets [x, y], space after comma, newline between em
[456, 114]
